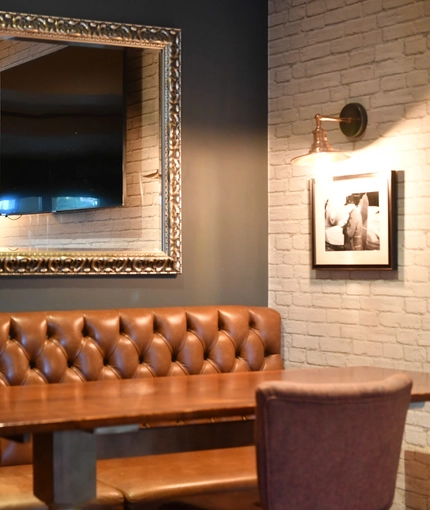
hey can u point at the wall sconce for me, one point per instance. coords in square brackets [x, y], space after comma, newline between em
[352, 122]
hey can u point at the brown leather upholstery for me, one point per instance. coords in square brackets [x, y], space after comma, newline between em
[149, 481]
[231, 500]
[54, 347]
[331, 446]
[88, 345]
[16, 492]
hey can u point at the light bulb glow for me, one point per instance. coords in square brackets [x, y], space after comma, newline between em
[320, 158]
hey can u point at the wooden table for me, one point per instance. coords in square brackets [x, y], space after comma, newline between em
[65, 418]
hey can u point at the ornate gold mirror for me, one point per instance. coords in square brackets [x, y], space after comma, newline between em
[142, 234]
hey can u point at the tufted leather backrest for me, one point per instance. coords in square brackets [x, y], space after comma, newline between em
[92, 345]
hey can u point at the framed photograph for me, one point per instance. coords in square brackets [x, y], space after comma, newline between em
[354, 222]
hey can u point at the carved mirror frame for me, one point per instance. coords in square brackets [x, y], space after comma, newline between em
[168, 41]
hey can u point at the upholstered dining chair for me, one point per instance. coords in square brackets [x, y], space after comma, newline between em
[330, 446]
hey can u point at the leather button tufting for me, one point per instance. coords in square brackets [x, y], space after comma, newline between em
[36, 348]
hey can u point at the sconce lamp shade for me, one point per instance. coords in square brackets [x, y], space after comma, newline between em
[313, 158]
[352, 122]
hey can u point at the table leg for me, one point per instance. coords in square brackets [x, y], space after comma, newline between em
[64, 466]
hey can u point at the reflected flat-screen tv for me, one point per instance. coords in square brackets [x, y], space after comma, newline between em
[62, 132]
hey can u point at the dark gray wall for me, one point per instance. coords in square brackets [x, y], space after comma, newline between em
[224, 160]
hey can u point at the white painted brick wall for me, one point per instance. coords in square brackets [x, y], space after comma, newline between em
[137, 225]
[324, 54]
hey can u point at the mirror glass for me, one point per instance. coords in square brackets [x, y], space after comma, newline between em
[90, 147]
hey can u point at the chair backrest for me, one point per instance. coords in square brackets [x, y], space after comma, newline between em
[330, 446]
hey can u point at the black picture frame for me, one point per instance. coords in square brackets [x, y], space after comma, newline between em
[354, 222]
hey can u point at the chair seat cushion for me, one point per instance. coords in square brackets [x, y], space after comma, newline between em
[160, 478]
[16, 492]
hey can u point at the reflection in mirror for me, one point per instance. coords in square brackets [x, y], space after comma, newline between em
[55, 120]
[85, 196]
[62, 120]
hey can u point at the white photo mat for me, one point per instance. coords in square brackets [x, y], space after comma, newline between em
[330, 199]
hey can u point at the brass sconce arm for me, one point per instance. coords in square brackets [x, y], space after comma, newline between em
[352, 122]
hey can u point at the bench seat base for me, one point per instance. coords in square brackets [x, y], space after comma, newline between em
[235, 500]
[153, 481]
[210, 479]
[16, 492]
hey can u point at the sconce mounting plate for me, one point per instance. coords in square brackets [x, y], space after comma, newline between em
[355, 121]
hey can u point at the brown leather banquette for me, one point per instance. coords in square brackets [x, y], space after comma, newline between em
[91, 345]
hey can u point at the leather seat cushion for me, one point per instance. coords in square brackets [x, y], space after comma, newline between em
[235, 500]
[147, 482]
[16, 492]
